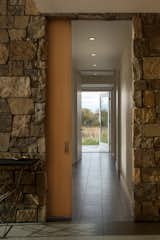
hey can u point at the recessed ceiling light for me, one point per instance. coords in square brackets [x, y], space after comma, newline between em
[94, 65]
[92, 38]
[93, 54]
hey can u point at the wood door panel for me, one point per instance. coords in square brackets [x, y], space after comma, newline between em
[59, 119]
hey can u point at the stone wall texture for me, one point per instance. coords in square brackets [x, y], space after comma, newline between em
[146, 116]
[22, 103]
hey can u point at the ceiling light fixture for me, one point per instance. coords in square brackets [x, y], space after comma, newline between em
[94, 65]
[93, 54]
[92, 38]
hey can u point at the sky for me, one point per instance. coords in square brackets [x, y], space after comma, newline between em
[90, 100]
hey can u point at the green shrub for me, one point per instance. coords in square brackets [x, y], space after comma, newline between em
[90, 141]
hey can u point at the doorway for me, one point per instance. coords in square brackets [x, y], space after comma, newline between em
[102, 70]
[99, 62]
[95, 126]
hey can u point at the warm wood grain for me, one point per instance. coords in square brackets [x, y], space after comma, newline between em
[59, 119]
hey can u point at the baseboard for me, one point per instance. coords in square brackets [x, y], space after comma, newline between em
[58, 219]
[125, 188]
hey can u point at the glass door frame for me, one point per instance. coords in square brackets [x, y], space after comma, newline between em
[103, 93]
[111, 89]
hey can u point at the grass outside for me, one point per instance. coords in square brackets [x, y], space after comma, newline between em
[104, 135]
[90, 141]
[90, 136]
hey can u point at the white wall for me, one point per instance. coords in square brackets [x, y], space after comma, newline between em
[118, 126]
[126, 115]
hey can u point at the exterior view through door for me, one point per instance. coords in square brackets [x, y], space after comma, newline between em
[101, 53]
[95, 127]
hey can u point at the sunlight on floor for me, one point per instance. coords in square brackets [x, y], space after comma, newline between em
[95, 148]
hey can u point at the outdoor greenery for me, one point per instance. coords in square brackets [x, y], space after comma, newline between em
[104, 135]
[104, 119]
[91, 127]
[90, 141]
[89, 118]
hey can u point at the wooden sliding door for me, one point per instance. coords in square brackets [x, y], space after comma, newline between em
[59, 119]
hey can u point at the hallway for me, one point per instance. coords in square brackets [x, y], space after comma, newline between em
[98, 196]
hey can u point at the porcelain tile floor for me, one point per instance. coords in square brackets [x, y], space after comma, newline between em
[98, 196]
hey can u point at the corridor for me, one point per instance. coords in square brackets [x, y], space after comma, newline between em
[98, 196]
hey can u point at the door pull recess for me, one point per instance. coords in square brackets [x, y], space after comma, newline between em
[66, 147]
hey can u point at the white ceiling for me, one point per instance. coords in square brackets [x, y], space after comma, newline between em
[111, 37]
[61, 6]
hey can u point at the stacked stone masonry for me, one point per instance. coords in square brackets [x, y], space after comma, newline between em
[22, 102]
[146, 116]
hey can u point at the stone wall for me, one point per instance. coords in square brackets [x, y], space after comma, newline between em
[22, 102]
[146, 114]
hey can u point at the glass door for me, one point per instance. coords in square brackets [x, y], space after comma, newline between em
[104, 134]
